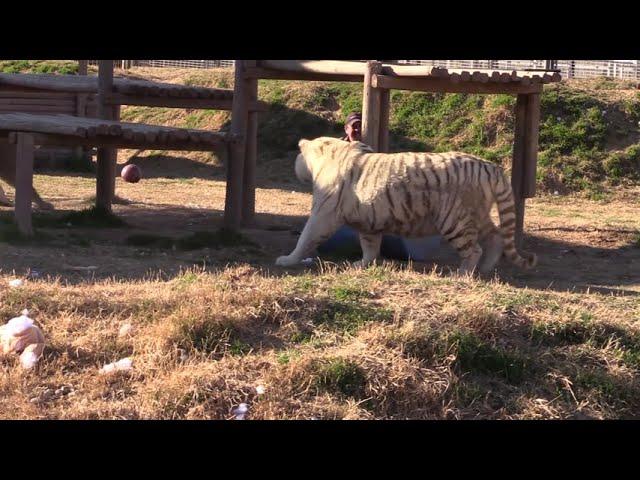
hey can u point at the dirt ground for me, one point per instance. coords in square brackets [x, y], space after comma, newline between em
[582, 244]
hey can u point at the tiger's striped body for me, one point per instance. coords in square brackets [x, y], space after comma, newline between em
[408, 194]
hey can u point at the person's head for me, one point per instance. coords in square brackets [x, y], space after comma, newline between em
[353, 127]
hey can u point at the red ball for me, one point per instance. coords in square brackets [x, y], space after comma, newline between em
[131, 173]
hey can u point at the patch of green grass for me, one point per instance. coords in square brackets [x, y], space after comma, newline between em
[474, 355]
[625, 164]
[348, 293]
[348, 316]
[287, 356]
[39, 66]
[338, 375]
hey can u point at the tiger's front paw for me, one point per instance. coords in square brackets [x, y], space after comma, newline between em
[286, 261]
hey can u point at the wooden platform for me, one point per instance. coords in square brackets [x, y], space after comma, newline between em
[67, 129]
[125, 91]
[25, 131]
[327, 70]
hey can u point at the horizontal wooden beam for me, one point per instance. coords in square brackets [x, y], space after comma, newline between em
[329, 67]
[447, 86]
[268, 74]
[111, 142]
[171, 102]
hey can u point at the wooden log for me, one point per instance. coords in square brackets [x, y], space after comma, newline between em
[385, 107]
[178, 135]
[121, 142]
[414, 71]
[371, 106]
[445, 86]
[114, 130]
[495, 77]
[163, 137]
[59, 83]
[37, 109]
[455, 77]
[140, 137]
[266, 73]
[316, 66]
[107, 157]
[237, 152]
[505, 77]
[56, 102]
[532, 129]
[26, 122]
[479, 77]
[151, 136]
[517, 166]
[465, 76]
[188, 103]
[24, 182]
[251, 151]
[17, 94]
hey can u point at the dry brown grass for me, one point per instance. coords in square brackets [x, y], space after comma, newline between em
[337, 343]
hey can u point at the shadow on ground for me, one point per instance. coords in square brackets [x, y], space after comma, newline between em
[562, 265]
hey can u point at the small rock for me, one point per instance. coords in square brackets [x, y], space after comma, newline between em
[260, 390]
[556, 193]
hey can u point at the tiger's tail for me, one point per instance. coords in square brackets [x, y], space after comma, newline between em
[503, 195]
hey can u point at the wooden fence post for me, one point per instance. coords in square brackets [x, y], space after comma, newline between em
[107, 157]
[237, 152]
[24, 182]
[83, 67]
[385, 107]
[251, 153]
[371, 107]
[517, 165]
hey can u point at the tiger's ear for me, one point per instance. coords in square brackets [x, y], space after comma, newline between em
[302, 142]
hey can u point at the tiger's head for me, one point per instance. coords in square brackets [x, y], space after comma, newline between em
[314, 153]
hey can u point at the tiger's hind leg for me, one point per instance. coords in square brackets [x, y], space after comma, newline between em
[493, 247]
[457, 227]
[370, 249]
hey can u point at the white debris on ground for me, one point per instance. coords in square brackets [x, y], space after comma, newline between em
[125, 330]
[16, 283]
[240, 411]
[120, 366]
[260, 389]
[20, 335]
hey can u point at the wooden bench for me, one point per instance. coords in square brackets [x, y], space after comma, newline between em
[25, 131]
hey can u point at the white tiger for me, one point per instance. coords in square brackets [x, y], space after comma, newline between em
[408, 194]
